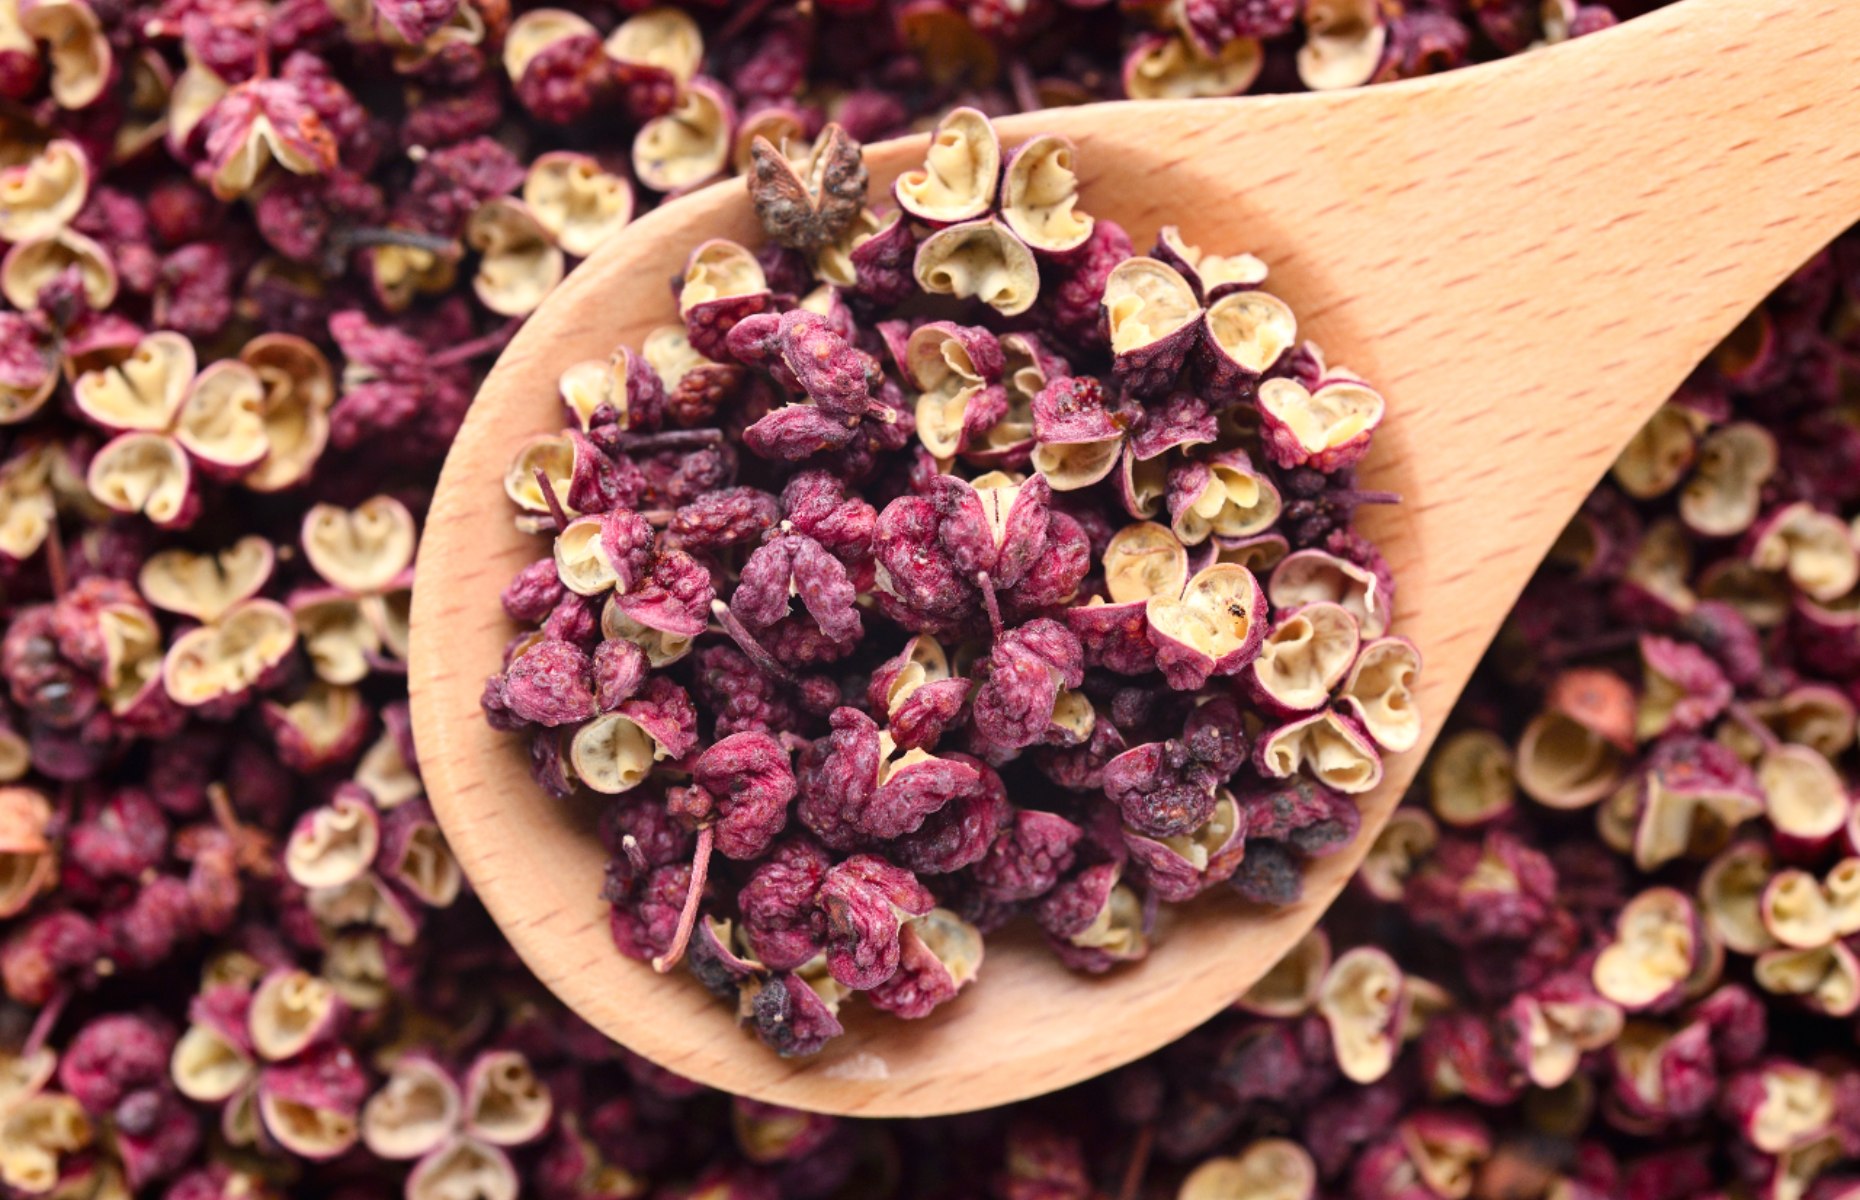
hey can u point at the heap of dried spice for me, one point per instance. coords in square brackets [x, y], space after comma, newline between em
[923, 506]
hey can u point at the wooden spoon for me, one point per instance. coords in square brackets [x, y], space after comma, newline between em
[1527, 258]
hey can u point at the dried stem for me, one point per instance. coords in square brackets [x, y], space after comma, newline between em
[1752, 724]
[687, 917]
[261, 52]
[55, 567]
[555, 505]
[251, 848]
[1026, 93]
[219, 801]
[1139, 1163]
[988, 598]
[670, 439]
[43, 1024]
[747, 643]
[635, 857]
[1355, 496]
[1593, 646]
[377, 235]
[744, 18]
[491, 343]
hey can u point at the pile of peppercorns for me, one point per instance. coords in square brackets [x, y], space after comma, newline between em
[1081, 454]
[183, 1019]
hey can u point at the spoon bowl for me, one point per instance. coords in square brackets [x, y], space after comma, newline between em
[1526, 258]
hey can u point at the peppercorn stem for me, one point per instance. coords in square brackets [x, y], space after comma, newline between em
[1752, 724]
[988, 599]
[1139, 1163]
[251, 848]
[745, 16]
[1593, 646]
[491, 343]
[555, 506]
[42, 1025]
[413, 239]
[747, 643]
[55, 567]
[687, 917]
[1026, 93]
[1354, 496]
[635, 857]
[669, 439]
[219, 802]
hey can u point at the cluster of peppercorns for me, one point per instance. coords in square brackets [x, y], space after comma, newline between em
[210, 816]
[1003, 544]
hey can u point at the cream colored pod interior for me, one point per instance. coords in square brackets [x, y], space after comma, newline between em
[613, 753]
[958, 179]
[519, 262]
[663, 38]
[40, 196]
[1040, 193]
[1361, 999]
[362, 550]
[983, 260]
[937, 359]
[1344, 40]
[1145, 301]
[687, 145]
[1171, 68]
[576, 202]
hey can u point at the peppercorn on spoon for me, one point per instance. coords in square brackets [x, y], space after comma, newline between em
[1528, 256]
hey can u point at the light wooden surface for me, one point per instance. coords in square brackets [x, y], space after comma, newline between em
[1527, 257]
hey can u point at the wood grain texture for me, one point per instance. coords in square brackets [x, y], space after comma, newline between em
[1526, 257]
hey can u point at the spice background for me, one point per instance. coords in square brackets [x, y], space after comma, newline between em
[1612, 922]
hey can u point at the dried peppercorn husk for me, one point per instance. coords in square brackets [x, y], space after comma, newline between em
[808, 203]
